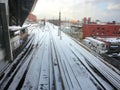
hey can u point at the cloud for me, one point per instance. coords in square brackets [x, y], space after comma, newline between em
[113, 7]
[97, 9]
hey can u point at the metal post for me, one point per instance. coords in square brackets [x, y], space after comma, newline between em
[53, 22]
[8, 48]
[59, 31]
[59, 25]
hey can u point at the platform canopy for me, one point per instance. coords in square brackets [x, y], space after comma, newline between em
[19, 10]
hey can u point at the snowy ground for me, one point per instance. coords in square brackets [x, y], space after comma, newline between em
[62, 64]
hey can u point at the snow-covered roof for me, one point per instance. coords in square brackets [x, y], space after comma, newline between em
[15, 28]
[110, 39]
[94, 40]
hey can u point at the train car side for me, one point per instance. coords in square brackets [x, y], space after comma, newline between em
[96, 45]
[18, 37]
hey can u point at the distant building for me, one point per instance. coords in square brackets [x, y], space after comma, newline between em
[32, 18]
[100, 29]
[85, 20]
[89, 20]
[54, 21]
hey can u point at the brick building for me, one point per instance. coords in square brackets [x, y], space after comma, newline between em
[101, 30]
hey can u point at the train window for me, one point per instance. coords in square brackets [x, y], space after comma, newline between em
[103, 45]
[26, 29]
[11, 34]
[23, 30]
[14, 33]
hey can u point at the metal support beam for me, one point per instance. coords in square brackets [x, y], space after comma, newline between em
[8, 49]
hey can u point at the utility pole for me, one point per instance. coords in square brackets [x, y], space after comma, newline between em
[59, 25]
[53, 22]
[65, 22]
[59, 30]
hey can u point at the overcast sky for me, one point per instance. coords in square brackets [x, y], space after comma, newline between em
[104, 10]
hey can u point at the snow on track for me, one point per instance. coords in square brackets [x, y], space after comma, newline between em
[62, 65]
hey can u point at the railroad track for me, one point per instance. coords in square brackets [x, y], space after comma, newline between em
[106, 72]
[109, 77]
[44, 69]
[54, 65]
[39, 46]
[65, 73]
[74, 81]
[16, 72]
[112, 63]
[22, 73]
[58, 82]
[42, 79]
[14, 67]
[69, 74]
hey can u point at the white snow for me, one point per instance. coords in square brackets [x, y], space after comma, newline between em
[15, 28]
[66, 58]
[110, 39]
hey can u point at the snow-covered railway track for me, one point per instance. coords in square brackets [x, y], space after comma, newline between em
[73, 74]
[44, 68]
[30, 81]
[111, 62]
[59, 64]
[58, 83]
[11, 71]
[104, 77]
[14, 75]
[71, 78]
[68, 77]
[19, 78]
[110, 76]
